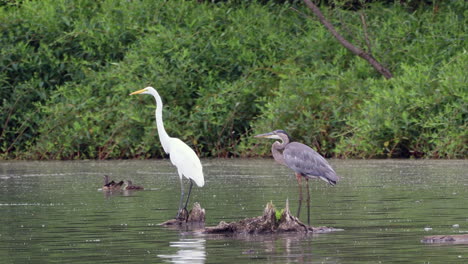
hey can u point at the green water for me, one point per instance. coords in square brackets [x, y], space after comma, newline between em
[53, 212]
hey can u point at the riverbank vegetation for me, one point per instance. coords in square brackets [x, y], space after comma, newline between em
[227, 71]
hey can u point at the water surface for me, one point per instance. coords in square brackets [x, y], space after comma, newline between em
[53, 212]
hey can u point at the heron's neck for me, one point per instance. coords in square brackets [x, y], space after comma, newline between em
[277, 151]
[163, 136]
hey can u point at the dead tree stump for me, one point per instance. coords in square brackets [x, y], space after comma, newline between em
[272, 221]
[195, 216]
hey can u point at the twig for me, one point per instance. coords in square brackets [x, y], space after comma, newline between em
[379, 67]
[366, 35]
[10, 113]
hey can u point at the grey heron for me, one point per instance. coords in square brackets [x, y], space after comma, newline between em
[303, 160]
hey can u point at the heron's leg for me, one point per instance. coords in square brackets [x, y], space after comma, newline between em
[308, 201]
[188, 196]
[181, 197]
[299, 182]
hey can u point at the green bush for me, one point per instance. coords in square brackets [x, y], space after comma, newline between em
[207, 82]
[226, 71]
[46, 44]
[349, 111]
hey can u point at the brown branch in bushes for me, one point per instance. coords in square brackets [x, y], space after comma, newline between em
[368, 57]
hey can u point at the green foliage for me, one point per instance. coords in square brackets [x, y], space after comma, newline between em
[348, 111]
[415, 114]
[278, 214]
[46, 44]
[226, 71]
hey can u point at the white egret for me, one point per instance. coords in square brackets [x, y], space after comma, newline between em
[182, 156]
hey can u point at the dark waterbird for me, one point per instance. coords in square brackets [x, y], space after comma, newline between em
[303, 160]
[128, 185]
[112, 185]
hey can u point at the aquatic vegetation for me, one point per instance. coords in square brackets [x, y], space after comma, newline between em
[278, 214]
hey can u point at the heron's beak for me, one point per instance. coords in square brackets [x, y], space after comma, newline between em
[139, 91]
[266, 135]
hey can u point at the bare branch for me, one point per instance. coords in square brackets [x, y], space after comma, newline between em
[366, 35]
[368, 57]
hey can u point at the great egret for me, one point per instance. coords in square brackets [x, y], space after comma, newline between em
[182, 156]
[303, 160]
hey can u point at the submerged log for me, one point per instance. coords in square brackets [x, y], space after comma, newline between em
[195, 216]
[272, 221]
[446, 239]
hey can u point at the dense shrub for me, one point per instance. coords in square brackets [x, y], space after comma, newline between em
[226, 71]
[46, 44]
[342, 108]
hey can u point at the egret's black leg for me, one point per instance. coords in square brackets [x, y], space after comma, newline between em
[181, 198]
[299, 182]
[308, 201]
[188, 196]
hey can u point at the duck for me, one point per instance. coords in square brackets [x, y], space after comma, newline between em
[107, 185]
[118, 185]
[111, 185]
[128, 185]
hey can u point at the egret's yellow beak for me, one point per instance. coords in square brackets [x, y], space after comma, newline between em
[266, 135]
[139, 91]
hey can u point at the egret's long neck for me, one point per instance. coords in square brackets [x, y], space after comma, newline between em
[163, 136]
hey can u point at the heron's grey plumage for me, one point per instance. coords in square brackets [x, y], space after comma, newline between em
[300, 158]
[303, 160]
[310, 164]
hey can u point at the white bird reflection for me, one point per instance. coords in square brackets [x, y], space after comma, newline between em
[191, 250]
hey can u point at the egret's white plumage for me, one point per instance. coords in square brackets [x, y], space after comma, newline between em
[182, 156]
[186, 161]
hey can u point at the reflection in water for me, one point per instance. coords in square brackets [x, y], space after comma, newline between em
[273, 248]
[108, 194]
[189, 250]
